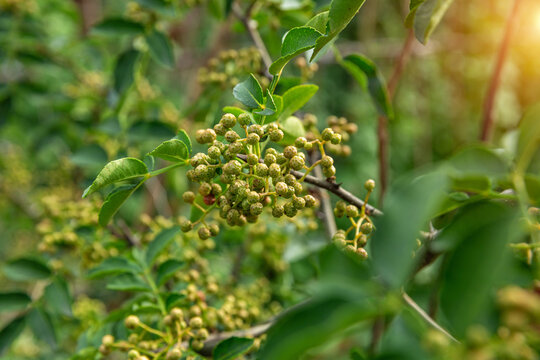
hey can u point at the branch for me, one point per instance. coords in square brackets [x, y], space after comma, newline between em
[487, 123]
[326, 204]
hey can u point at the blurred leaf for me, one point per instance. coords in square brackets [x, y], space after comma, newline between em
[42, 326]
[292, 128]
[427, 15]
[26, 269]
[174, 299]
[124, 71]
[89, 156]
[249, 93]
[160, 6]
[278, 100]
[295, 42]
[478, 160]
[529, 137]
[115, 171]
[269, 106]
[114, 201]
[159, 243]
[127, 282]
[232, 348]
[295, 98]
[58, 297]
[409, 205]
[160, 48]
[341, 13]
[171, 150]
[113, 266]
[144, 130]
[319, 22]
[12, 301]
[10, 332]
[479, 237]
[375, 82]
[471, 183]
[118, 26]
[532, 184]
[314, 323]
[228, 7]
[167, 269]
[184, 137]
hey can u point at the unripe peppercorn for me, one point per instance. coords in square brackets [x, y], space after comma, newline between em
[132, 322]
[203, 232]
[336, 139]
[228, 120]
[253, 139]
[261, 170]
[300, 142]
[369, 185]
[186, 225]
[366, 228]
[352, 211]
[329, 171]
[220, 129]
[327, 134]
[244, 119]
[290, 210]
[177, 313]
[233, 167]
[281, 189]
[196, 322]
[188, 197]
[253, 197]
[271, 127]
[214, 152]
[274, 170]
[299, 203]
[107, 340]
[290, 151]
[216, 189]
[276, 136]
[327, 161]
[297, 163]
[174, 354]
[231, 136]
[197, 345]
[252, 159]
[214, 229]
[269, 159]
[256, 129]
[256, 209]
[200, 136]
[278, 211]
[133, 354]
[362, 253]
[310, 201]
[205, 189]
[235, 147]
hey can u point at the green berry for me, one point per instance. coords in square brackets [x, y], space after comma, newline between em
[329, 171]
[256, 209]
[327, 161]
[256, 129]
[310, 201]
[278, 211]
[352, 211]
[269, 159]
[290, 210]
[297, 163]
[274, 170]
[220, 129]
[214, 229]
[214, 152]
[282, 189]
[366, 228]
[253, 139]
[299, 203]
[252, 159]
[186, 225]
[177, 313]
[244, 119]
[196, 322]
[107, 340]
[369, 185]
[132, 322]
[228, 120]
[336, 139]
[290, 151]
[253, 197]
[327, 134]
[276, 136]
[216, 189]
[231, 136]
[205, 189]
[203, 232]
[300, 142]
[261, 170]
[188, 197]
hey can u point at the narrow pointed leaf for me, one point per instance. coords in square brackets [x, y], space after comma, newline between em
[249, 93]
[13, 301]
[124, 71]
[427, 16]
[161, 48]
[26, 269]
[114, 201]
[160, 242]
[115, 171]
[295, 42]
[232, 348]
[118, 26]
[173, 150]
[11, 332]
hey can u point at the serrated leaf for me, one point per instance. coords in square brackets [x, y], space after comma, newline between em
[114, 201]
[116, 171]
[427, 15]
[13, 301]
[173, 150]
[167, 269]
[376, 84]
[127, 282]
[42, 326]
[232, 348]
[341, 13]
[26, 269]
[118, 26]
[160, 242]
[295, 98]
[269, 106]
[395, 239]
[292, 129]
[161, 48]
[10, 332]
[57, 297]
[295, 42]
[113, 266]
[124, 71]
[249, 93]
[184, 137]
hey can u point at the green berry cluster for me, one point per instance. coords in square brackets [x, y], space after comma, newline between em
[229, 66]
[340, 128]
[361, 225]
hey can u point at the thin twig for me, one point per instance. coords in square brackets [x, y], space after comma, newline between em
[326, 205]
[489, 102]
[426, 317]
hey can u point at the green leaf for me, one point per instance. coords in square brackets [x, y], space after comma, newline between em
[127, 282]
[167, 269]
[296, 97]
[115, 171]
[57, 297]
[184, 137]
[26, 269]
[236, 111]
[249, 93]
[479, 237]
[478, 160]
[13, 301]
[529, 137]
[375, 82]
[118, 26]
[232, 348]
[532, 184]
[124, 71]
[295, 42]
[314, 323]
[114, 266]
[114, 201]
[161, 48]
[319, 22]
[269, 106]
[161, 241]
[471, 183]
[292, 129]
[278, 101]
[90, 157]
[409, 205]
[171, 150]
[10, 332]
[427, 15]
[42, 326]
[160, 6]
[341, 13]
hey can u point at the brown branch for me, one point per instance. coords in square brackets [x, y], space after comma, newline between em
[489, 102]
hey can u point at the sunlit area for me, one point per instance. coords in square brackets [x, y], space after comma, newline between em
[269, 180]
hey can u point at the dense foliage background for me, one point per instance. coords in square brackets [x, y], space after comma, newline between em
[86, 82]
